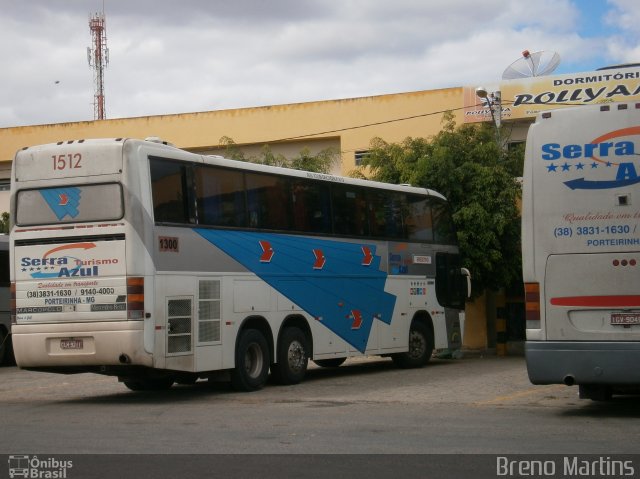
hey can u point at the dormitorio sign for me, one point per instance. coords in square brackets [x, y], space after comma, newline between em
[527, 97]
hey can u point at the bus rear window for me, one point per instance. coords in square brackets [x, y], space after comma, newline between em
[69, 204]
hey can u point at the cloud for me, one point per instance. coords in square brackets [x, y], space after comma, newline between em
[625, 46]
[197, 55]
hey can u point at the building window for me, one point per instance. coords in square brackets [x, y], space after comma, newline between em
[512, 145]
[361, 155]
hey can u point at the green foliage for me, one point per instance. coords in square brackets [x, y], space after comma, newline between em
[480, 181]
[4, 223]
[304, 160]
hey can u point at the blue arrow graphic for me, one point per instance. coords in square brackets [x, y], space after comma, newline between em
[582, 184]
[329, 294]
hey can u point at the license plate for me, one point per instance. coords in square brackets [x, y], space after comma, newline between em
[625, 318]
[71, 344]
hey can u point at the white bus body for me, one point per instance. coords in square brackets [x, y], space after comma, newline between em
[136, 259]
[581, 248]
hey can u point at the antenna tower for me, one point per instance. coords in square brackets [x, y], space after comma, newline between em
[98, 57]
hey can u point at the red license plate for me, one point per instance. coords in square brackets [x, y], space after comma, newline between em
[71, 344]
[625, 318]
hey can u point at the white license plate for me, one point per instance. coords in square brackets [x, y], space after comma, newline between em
[71, 344]
[625, 318]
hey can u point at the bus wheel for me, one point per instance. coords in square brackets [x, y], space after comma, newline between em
[330, 363]
[150, 384]
[293, 357]
[252, 362]
[420, 347]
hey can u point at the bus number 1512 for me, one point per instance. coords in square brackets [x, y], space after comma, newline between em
[67, 161]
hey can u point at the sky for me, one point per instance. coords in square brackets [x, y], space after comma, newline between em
[169, 56]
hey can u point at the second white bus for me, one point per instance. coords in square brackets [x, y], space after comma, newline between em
[581, 248]
[143, 261]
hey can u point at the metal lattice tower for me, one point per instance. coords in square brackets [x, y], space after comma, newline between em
[98, 57]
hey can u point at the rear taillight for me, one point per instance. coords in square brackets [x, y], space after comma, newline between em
[12, 302]
[532, 304]
[135, 297]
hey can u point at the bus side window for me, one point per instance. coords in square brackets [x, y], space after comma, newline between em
[419, 220]
[268, 201]
[220, 196]
[169, 191]
[311, 205]
[388, 214]
[349, 211]
[444, 229]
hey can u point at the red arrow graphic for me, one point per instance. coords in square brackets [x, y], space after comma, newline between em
[320, 259]
[368, 257]
[70, 246]
[357, 319]
[64, 199]
[267, 252]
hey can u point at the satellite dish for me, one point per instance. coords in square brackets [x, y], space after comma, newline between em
[532, 65]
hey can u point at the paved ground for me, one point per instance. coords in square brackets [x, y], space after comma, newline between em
[474, 405]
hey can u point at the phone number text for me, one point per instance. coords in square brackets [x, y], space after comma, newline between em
[569, 231]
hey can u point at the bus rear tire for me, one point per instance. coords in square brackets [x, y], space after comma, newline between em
[293, 357]
[330, 363]
[252, 362]
[420, 347]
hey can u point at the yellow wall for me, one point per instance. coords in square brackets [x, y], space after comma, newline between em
[287, 128]
[334, 119]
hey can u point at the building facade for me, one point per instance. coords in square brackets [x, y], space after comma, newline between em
[347, 126]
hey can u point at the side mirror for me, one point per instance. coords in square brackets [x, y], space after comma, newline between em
[465, 272]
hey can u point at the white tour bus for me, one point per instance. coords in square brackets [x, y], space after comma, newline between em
[581, 248]
[143, 261]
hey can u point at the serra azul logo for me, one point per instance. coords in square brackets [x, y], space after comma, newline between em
[555, 151]
[50, 266]
[612, 152]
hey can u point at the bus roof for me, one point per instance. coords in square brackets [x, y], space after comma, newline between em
[156, 147]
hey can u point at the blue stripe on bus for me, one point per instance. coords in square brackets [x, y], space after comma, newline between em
[339, 292]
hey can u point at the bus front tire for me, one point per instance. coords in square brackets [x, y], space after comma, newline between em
[420, 347]
[293, 357]
[252, 362]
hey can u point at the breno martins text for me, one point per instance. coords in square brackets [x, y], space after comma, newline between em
[570, 466]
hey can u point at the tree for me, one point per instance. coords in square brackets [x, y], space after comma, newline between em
[304, 160]
[4, 223]
[480, 181]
